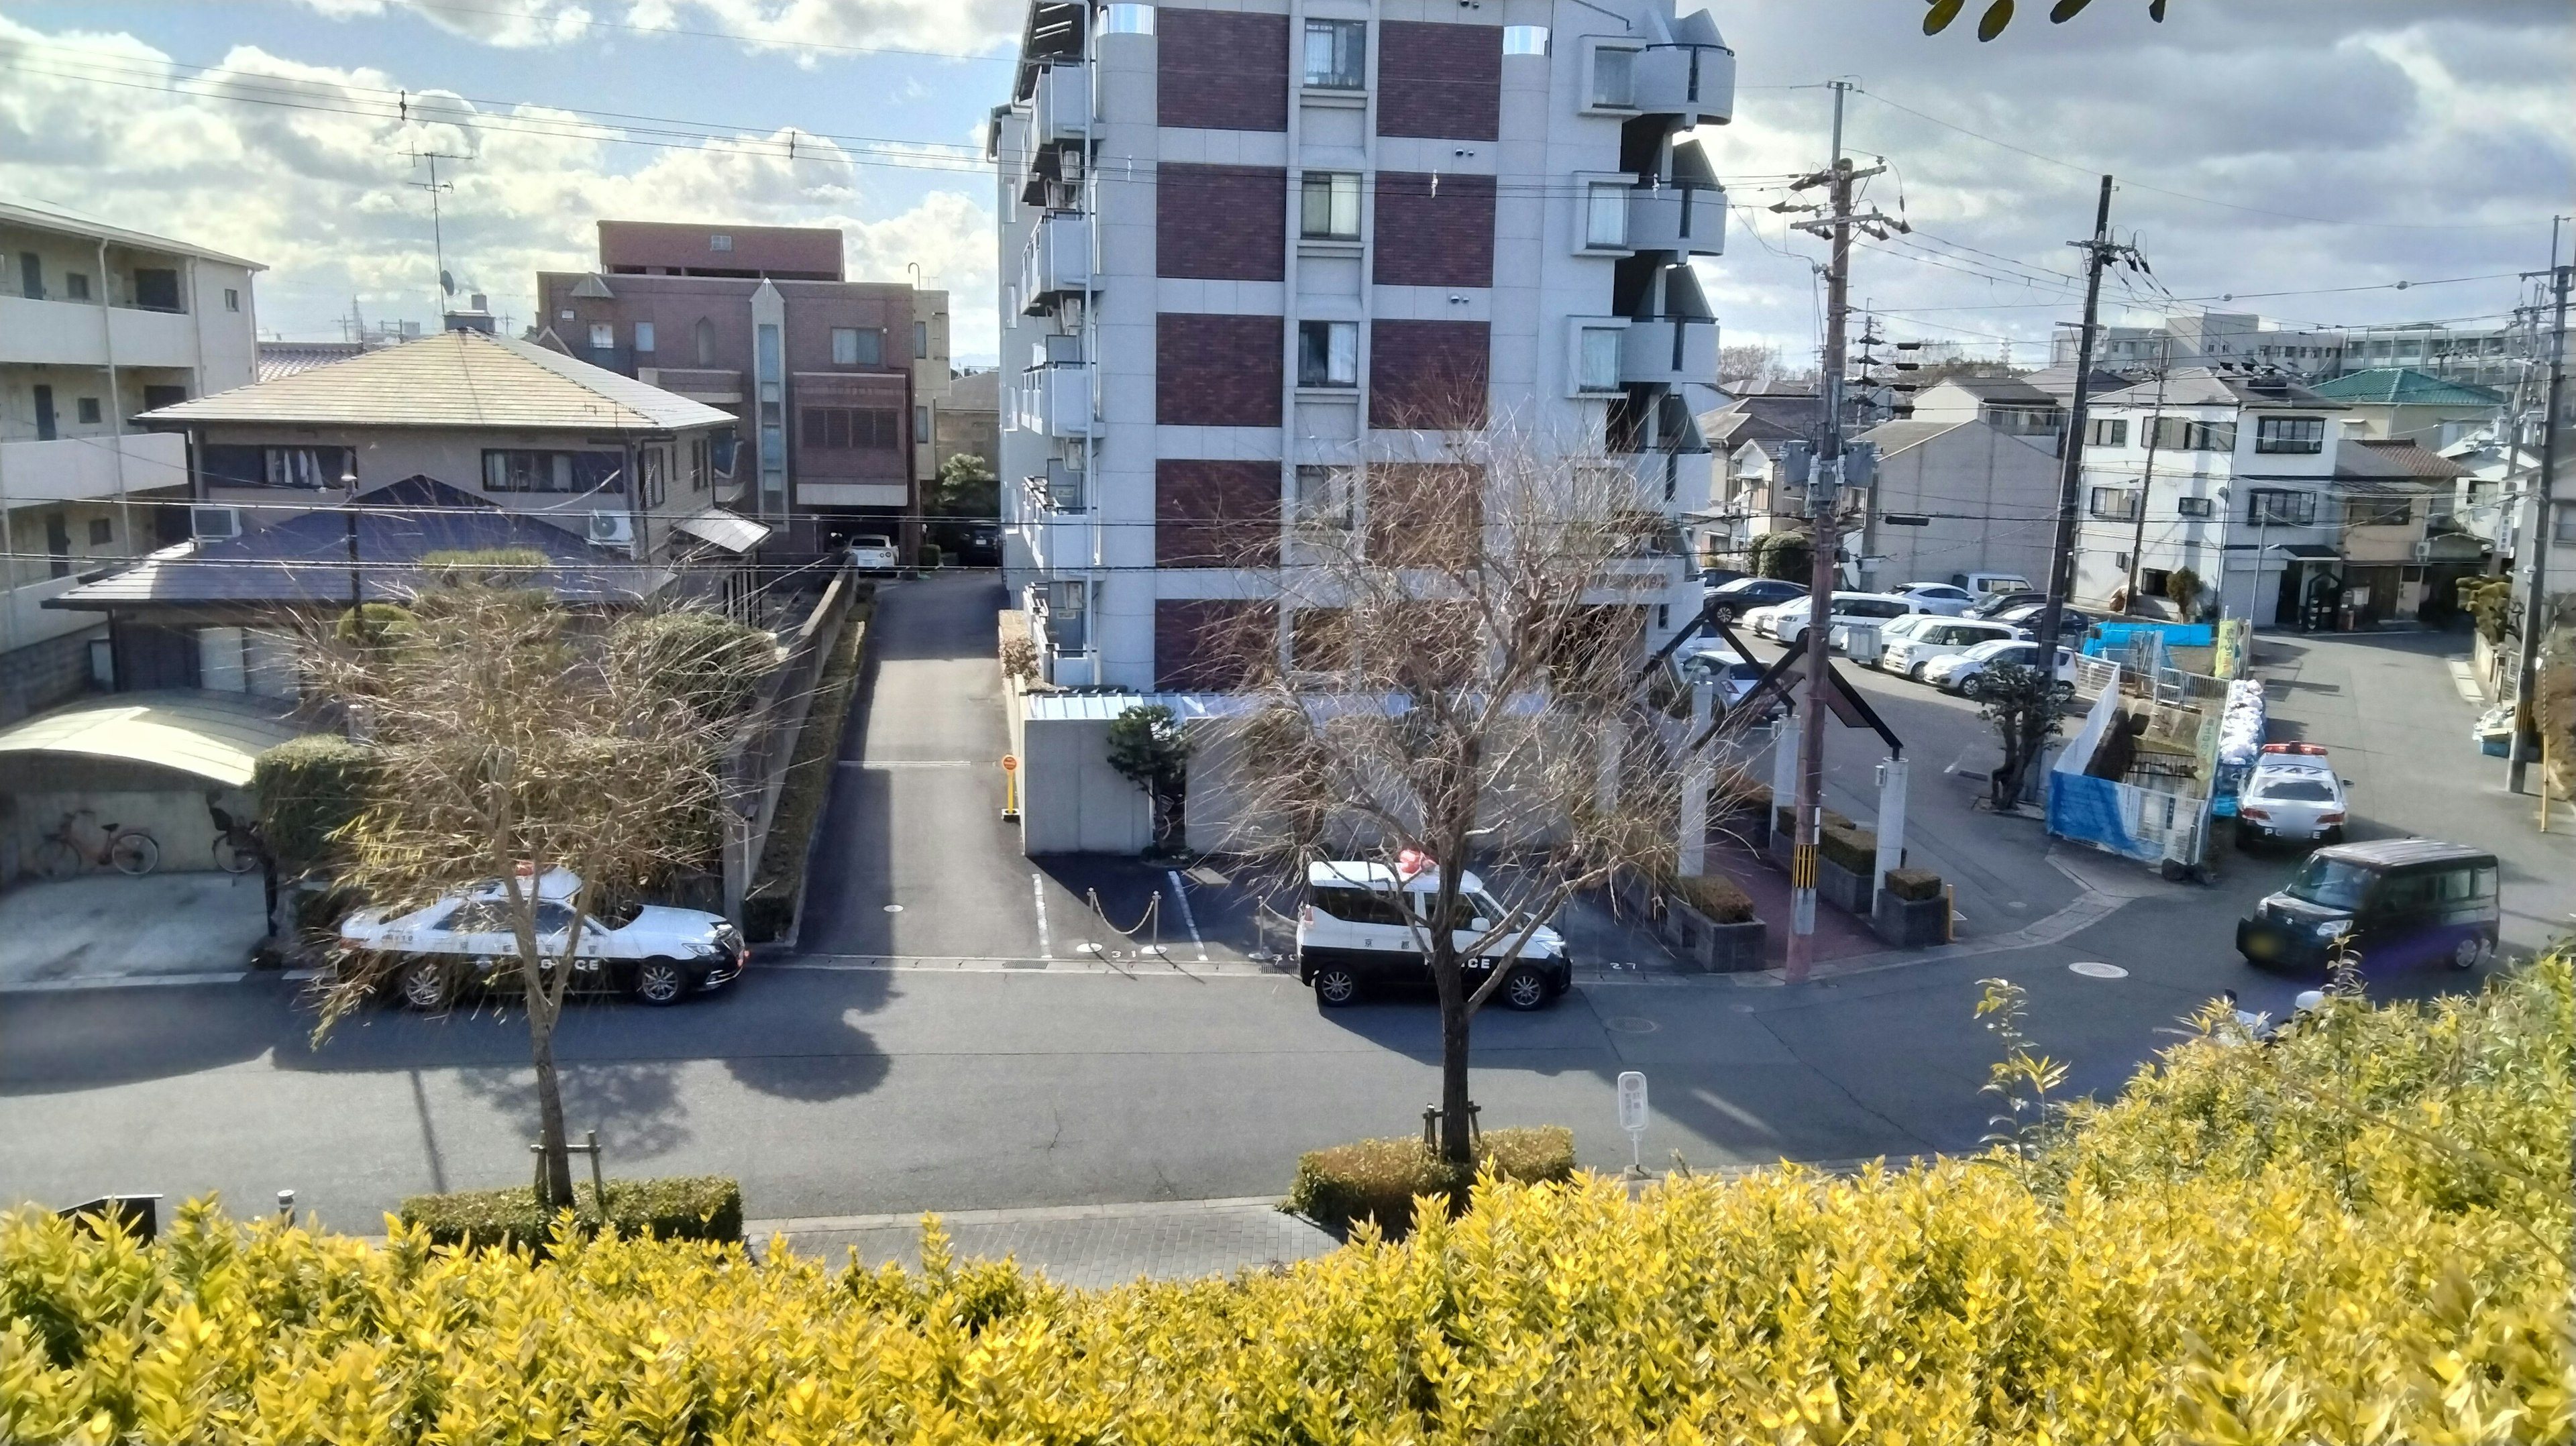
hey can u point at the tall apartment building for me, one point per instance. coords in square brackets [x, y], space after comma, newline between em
[836, 383]
[97, 324]
[1261, 258]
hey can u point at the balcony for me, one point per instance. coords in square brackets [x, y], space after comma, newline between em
[1061, 111]
[1058, 260]
[1690, 220]
[711, 385]
[67, 333]
[1695, 82]
[75, 469]
[1688, 473]
[25, 620]
[1668, 351]
[1055, 399]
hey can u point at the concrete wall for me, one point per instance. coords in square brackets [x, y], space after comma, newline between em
[1071, 800]
[169, 806]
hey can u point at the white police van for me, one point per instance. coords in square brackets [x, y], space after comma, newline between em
[1363, 924]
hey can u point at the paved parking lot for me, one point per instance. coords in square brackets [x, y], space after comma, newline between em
[105, 928]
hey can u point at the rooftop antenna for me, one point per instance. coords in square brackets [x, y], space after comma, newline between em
[437, 236]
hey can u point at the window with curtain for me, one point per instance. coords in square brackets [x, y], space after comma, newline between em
[2290, 434]
[1605, 214]
[1337, 54]
[1328, 354]
[1329, 206]
[1613, 77]
[1599, 361]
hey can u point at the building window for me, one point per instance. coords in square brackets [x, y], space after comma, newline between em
[699, 464]
[562, 472]
[311, 468]
[2274, 507]
[1127, 20]
[2116, 504]
[920, 339]
[1524, 40]
[2563, 529]
[1605, 214]
[102, 531]
[643, 336]
[2192, 506]
[232, 299]
[719, 241]
[1323, 499]
[653, 469]
[76, 285]
[31, 276]
[846, 429]
[1337, 54]
[858, 346]
[1614, 78]
[703, 335]
[2377, 512]
[1329, 206]
[90, 413]
[2181, 434]
[920, 425]
[2290, 434]
[156, 288]
[603, 336]
[1328, 354]
[2106, 432]
[1599, 362]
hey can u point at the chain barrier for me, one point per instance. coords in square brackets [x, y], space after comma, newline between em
[1151, 919]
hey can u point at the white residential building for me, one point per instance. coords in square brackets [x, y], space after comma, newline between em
[1262, 258]
[97, 325]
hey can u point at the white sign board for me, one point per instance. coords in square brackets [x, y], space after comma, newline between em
[1632, 1102]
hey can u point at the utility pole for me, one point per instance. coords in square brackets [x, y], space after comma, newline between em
[1824, 483]
[2147, 479]
[2535, 610]
[2098, 253]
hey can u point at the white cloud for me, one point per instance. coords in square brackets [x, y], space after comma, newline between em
[307, 169]
[959, 26]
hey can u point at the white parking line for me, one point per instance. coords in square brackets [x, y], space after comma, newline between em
[1181, 897]
[1037, 890]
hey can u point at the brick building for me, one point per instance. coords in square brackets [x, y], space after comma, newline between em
[835, 383]
[1264, 260]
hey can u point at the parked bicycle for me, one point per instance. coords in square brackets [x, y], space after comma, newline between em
[82, 842]
[238, 848]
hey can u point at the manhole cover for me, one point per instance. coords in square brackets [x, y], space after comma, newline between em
[1630, 1024]
[894, 908]
[2095, 969]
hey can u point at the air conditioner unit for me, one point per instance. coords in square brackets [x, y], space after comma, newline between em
[2424, 550]
[214, 524]
[612, 529]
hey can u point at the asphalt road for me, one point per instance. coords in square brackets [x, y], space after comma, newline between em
[969, 1072]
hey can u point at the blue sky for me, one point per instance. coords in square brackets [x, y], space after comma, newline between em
[2288, 147]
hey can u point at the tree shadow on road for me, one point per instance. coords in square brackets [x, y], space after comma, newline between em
[635, 1107]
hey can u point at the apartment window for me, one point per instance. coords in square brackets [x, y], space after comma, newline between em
[1605, 214]
[1329, 206]
[2377, 512]
[2275, 507]
[1064, 617]
[1598, 363]
[644, 336]
[2116, 504]
[515, 470]
[102, 531]
[703, 337]
[2181, 434]
[1524, 40]
[2563, 528]
[2152, 581]
[76, 285]
[719, 241]
[232, 299]
[156, 288]
[2192, 506]
[1127, 20]
[603, 336]
[921, 340]
[90, 413]
[858, 346]
[2106, 432]
[920, 425]
[1328, 354]
[2290, 434]
[1337, 54]
[31, 276]
[845, 429]
[1323, 498]
[1614, 78]
[309, 468]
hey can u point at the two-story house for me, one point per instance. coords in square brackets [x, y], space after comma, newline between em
[97, 324]
[1744, 436]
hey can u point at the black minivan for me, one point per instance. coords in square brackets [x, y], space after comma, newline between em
[2401, 901]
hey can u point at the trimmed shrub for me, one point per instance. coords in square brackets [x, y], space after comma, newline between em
[930, 556]
[1849, 847]
[675, 1207]
[1717, 897]
[1784, 821]
[1914, 885]
[1378, 1180]
[308, 789]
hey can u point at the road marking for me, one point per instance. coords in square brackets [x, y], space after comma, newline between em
[1181, 897]
[1037, 890]
[120, 981]
[888, 765]
[2095, 969]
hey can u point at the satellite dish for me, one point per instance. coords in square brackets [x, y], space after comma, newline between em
[447, 282]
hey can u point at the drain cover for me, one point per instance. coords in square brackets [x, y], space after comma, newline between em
[2095, 969]
[1630, 1024]
[894, 908]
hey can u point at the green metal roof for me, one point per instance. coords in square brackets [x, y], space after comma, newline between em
[2406, 387]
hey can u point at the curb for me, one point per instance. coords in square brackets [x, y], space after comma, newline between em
[911, 1220]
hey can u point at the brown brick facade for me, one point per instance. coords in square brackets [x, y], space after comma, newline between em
[1211, 645]
[1440, 81]
[1215, 514]
[1428, 375]
[1223, 70]
[1218, 371]
[1223, 223]
[1434, 231]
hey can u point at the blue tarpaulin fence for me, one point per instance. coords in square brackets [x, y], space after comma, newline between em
[2112, 640]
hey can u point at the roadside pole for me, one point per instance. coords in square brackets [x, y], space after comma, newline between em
[2535, 612]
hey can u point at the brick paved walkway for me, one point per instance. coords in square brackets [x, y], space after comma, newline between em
[1086, 1245]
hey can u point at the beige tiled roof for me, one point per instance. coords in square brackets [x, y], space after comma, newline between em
[454, 379]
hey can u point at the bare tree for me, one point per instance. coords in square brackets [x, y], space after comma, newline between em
[1747, 366]
[508, 742]
[1457, 680]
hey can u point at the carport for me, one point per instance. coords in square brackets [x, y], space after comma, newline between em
[149, 761]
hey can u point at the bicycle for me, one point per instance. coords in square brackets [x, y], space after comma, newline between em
[66, 851]
[238, 848]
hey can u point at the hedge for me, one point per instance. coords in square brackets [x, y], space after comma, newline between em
[1718, 898]
[675, 1207]
[1915, 885]
[1380, 1179]
[308, 788]
[2356, 1233]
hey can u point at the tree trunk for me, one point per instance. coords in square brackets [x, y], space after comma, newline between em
[550, 1111]
[1457, 1144]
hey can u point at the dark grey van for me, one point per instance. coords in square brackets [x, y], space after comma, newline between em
[2402, 901]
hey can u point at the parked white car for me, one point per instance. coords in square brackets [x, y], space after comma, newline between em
[1711, 661]
[1947, 599]
[1958, 672]
[1991, 584]
[1925, 642]
[466, 942]
[1788, 621]
[1363, 923]
[874, 554]
[2292, 794]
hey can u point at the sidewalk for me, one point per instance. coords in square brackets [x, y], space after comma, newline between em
[1083, 1245]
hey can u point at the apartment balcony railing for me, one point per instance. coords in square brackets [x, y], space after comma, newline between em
[1055, 399]
[1690, 220]
[1668, 351]
[68, 333]
[74, 469]
[1062, 106]
[712, 385]
[1058, 260]
[1695, 82]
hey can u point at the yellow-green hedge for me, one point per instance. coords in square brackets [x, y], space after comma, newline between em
[2357, 1234]
[1380, 1180]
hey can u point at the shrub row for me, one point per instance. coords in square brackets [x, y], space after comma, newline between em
[1914, 885]
[677, 1207]
[1718, 898]
[1379, 1180]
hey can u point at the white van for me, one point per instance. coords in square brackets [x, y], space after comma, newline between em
[1992, 584]
[1364, 923]
[1788, 622]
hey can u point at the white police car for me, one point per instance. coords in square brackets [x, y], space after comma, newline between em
[2291, 794]
[467, 942]
[1364, 924]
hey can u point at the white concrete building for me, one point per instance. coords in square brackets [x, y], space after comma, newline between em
[97, 325]
[2489, 354]
[1957, 495]
[1259, 259]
